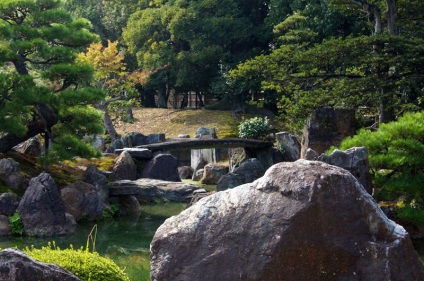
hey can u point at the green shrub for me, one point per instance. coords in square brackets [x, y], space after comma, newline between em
[257, 128]
[83, 264]
[410, 214]
[16, 224]
[396, 157]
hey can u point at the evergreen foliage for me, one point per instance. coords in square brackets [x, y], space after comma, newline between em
[396, 157]
[39, 78]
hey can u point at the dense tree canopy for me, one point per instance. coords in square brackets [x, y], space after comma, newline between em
[380, 68]
[39, 77]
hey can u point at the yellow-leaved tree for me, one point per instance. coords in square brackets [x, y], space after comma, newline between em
[111, 75]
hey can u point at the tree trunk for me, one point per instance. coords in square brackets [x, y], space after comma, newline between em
[20, 66]
[391, 16]
[44, 120]
[162, 99]
[107, 121]
[199, 99]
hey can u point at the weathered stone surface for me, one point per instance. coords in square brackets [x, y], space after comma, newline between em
[116, 144]
[124, 167]
[94, 177]
[311, 155]
[17, 266]
[303, 220]
[198, 175]
[96, 141]
[134, 139]
[183, 136]
[42, 210]
[327, 127]
[82, 200]
[289, 146]
[156, 138]
[206, 132]
[10, 173]
[162, 167]
[8, 203]
[355, 160]
[248, 171]
[185, 172]
[150, 189]
[139, 153]
[5, 229]
[30, 147]
[129, 206]
[212, 173]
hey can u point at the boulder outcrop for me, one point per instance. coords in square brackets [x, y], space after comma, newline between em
[124, 167]
[212, 173]
[17, 266]
[162, 167]
[82, 201]
[302, 220]
[42, 210]
[151, 189]
[9, 202]
[248, 171]
[10, 173]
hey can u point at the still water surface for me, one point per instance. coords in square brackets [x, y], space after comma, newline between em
[125, 240]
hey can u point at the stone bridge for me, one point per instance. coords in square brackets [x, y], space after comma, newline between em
[253, 148]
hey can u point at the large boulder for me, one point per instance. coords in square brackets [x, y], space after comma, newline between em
[96, 178]
[124, 167]
[150, 189]
[30, 147]
[17, 266]
[355, 160]
[289, 145]
[5, 229]
[42, 210]
[10, 173]
[185, 172]
[8, 203]
[327, 127]
[248, 171]
[162, 167]
[82, 201]
[212, 173]
[302, 220]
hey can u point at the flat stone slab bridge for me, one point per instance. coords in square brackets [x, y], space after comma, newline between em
[188, 144]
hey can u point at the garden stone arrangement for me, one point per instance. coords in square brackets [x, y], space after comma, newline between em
[305, 220]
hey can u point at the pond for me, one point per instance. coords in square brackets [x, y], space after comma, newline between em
[125, 240]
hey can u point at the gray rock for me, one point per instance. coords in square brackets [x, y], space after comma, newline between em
[185, 172]
[94, 177]
[134, 139]
[162, 167]
[42, 210]
[248, 171]
[81, 200]
[155, 138]
[311, 154]
[8, 203]
[327, 127]
[198, 175]
[5, 229]
[96, 141]
[150, 189]
[212, 173]
[355, 160]
[183, 136]
[289, 146]
[10, 173]
[302, 220]
[30, 147]
[116, 144]
[129, 206]
[206, 132]
[17, 266]
[124, 167]
[138, 153]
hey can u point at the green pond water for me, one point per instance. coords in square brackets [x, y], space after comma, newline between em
[125, 240]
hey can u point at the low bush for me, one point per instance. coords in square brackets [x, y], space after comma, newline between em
[88, 266]
[16, 224]
[257, 128]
